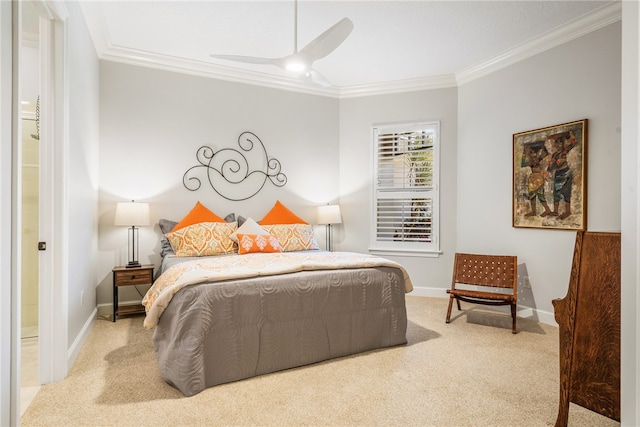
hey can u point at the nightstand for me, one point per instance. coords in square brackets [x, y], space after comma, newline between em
[123, 276]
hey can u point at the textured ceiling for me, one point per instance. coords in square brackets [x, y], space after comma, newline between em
[392, 41]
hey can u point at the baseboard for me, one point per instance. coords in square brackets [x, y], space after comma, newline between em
[429, 292]
[523, 311]
[73, 351]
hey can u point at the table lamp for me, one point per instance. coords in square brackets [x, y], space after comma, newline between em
[133, 215]
[329, 215]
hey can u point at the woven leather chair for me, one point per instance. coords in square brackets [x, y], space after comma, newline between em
[485, 271]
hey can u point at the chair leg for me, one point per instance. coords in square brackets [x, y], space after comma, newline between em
[458, 302]
[449, 309]
[513, 316]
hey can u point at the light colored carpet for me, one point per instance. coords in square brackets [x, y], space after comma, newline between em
[471, 372]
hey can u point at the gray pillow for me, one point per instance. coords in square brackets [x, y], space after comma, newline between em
[166, 226]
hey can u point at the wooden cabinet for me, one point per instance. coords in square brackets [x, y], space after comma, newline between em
[589, 328]
[123, 276]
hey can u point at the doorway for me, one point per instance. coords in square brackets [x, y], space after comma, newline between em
[52, 86]
[29, 204]
[30, 196]
[29, 381]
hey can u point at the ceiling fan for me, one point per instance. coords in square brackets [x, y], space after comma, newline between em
[300, 62]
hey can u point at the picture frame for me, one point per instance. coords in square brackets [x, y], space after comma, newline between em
[550, 177]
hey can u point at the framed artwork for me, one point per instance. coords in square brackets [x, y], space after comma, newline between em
[550, 177]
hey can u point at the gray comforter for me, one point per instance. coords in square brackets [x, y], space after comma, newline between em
[214, 333]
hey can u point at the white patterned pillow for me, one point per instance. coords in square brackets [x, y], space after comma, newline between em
[204, 239]
[249, 226]
[294, 237]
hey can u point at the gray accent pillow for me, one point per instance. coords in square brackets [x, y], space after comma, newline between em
[165, 227]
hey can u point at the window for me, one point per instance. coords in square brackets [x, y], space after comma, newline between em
[405, 211]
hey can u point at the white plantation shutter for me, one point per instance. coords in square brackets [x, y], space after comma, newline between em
[405, 211]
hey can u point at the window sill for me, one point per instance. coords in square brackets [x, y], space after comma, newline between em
[405, 252]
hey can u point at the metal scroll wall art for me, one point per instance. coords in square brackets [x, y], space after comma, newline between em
[235, 174]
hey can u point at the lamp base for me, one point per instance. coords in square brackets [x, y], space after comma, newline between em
[133, 264]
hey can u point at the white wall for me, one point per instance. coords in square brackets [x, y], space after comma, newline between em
[430, 276]
[151, 124]
[82, 174]
[564, 84]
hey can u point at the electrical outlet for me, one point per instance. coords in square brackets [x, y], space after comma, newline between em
[526, 283]
[81, 298]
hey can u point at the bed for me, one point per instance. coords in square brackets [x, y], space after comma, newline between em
[229, 317]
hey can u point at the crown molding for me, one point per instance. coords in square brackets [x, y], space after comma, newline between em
[205, 69]
[601, 17]
[399, 86]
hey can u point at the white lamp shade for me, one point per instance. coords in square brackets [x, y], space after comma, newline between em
[329, 214]
[132, 214]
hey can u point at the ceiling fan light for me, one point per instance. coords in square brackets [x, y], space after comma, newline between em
[296, 66]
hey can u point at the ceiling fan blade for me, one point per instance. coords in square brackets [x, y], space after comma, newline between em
[328, 41]
[249, 59]
[300, 62]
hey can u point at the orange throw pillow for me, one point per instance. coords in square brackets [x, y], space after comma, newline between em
[266, 243]
[198, 214]
[280, 214]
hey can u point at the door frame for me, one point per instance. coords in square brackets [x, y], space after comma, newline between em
[9, 133]
[53, 265]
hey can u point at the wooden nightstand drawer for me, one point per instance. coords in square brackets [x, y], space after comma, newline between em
[133, 277]
[123, 276]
